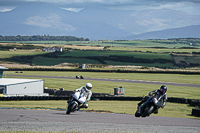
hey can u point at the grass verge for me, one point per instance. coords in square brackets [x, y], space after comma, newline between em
[122, 107]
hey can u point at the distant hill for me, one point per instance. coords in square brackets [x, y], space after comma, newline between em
[183, 32]
[97, 23]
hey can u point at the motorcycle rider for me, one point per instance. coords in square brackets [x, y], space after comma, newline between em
[160, 95]
[86, 91]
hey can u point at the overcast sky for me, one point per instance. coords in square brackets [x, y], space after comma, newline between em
[188, 6]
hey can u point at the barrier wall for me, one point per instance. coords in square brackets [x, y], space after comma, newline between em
[102, 96]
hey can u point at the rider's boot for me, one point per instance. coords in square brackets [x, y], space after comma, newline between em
[85, 105]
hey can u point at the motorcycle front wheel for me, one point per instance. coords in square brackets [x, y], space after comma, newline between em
[71, 108]
[137, 114]
[148, 110]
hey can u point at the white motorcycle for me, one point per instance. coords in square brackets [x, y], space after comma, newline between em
[75, 102]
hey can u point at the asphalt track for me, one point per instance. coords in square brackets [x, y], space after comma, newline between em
[114, 80]
[58, 121]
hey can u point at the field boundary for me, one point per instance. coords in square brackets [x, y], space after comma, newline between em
[110, 71]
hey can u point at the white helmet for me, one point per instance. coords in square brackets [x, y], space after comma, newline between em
[88, 86]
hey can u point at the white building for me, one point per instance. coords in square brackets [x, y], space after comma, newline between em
[53, 49]
[21, 87]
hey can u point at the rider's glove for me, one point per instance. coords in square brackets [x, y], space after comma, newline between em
[150, 93]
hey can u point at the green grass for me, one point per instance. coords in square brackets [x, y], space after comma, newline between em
[125, 107]
[176, 78]
[11, 53]
[118, 53]
[107, 57]
[131, 89]
[157, 50]
[171, 43]
[135, 52]
[43, 61]
[167, 65]
[152, 43]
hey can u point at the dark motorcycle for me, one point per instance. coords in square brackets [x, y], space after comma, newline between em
[148, 107]
[81, 77]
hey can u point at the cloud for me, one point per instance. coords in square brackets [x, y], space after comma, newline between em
[72, 9]
[80, 1]
[188, 6]
[51, 21]
[6, 9]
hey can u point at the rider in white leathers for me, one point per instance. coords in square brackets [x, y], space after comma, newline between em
[86, 91]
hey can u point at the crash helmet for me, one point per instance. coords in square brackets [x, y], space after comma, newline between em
[88, 86]
[163, 89]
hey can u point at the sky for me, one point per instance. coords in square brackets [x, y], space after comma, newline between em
[188, 6]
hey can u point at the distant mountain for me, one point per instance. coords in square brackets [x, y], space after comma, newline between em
[183, 32]
[95, 23]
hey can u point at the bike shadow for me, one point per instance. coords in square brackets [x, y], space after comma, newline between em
[63, 113]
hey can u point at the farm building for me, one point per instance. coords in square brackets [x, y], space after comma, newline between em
[21, 87]
[1, 71]
[52, 49]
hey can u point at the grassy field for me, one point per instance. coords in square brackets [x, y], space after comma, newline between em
[156, 50]
[131, 89]
[118, 53]
[108, 58]
[127, 107]
[11, 53]
[166, 43]
[43, 61]
[149, 53]
[176, 78]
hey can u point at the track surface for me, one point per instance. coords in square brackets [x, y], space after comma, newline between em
[114, 80]
[58, 121]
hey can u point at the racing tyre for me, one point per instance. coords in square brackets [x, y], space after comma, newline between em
[148, 110]
[71, 108]
[137, 114]
[68, 109]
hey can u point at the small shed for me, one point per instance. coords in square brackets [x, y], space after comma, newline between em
[1, 70]
[119, 91]
[21, 87]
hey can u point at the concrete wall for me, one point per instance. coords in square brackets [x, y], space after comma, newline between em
[36, 87]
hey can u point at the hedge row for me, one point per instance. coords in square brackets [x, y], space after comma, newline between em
[21, 98]
[95, 70]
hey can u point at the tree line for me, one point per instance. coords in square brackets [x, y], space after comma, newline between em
[41, 38]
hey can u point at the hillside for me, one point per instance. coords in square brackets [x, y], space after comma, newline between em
[98, 23]
[184, 32]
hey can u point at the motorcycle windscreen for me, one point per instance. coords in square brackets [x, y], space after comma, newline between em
[76, 95]
[82, 99]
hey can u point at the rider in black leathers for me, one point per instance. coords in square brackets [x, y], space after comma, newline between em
[160, 95]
